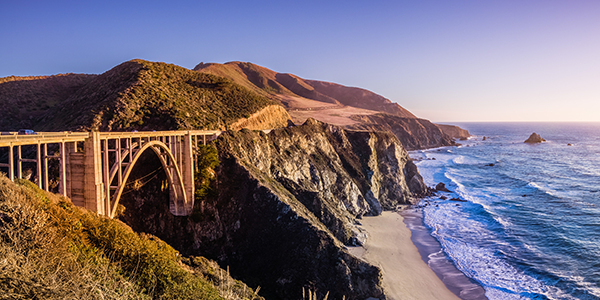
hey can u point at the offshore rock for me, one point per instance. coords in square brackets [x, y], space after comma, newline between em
[287, 207]
[534, 138]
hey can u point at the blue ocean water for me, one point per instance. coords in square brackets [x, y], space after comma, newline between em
[530, 228]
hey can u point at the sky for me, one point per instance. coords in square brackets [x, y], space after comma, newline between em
[444, 60]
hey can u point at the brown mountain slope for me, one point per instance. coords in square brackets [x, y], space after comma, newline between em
[454, 131]
[290, 89]
[361, 98]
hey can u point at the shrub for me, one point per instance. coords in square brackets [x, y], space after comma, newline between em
[50, 249]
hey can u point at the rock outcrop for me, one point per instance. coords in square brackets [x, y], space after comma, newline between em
[272, 116]
[287, 206]
[413, 133]
[534, 138]
[454, 131]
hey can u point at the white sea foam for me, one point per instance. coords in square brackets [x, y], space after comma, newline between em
[544, 189]
[500, 279]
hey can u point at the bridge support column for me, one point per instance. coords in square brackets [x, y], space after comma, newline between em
[188, 172]
[11, 163]
[75, 174]
[93, 192]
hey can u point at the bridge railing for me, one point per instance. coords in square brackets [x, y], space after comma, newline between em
[137, 134]
[43, 138]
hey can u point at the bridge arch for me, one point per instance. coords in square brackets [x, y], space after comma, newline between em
[180, 205]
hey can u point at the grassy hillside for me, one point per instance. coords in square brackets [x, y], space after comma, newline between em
[50, 249]
[146, 95]
[26, 99]
[137, 94]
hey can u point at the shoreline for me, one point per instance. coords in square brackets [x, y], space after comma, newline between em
[405, 274]
[431, 253]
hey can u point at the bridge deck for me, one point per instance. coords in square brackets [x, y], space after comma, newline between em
[14, 139]
[42, 138]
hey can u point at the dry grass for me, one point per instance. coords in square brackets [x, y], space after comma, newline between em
[37, 261]
[228, 287]
[50, 249]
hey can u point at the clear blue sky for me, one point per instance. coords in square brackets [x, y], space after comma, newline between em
[445, 60]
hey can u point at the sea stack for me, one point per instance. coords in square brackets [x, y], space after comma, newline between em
[534, 138]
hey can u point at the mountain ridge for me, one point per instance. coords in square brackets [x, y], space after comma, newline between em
[277, 84]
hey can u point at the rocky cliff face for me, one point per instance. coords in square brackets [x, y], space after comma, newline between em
[413, 133]
[287, 205]
[454, 131]
[272, 116]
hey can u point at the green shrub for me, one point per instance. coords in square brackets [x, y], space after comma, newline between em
[50, 249]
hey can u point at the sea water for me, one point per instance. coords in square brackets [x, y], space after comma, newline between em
[530, 226]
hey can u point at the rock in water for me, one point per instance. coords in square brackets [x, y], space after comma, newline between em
[441, 187]
[534, 138]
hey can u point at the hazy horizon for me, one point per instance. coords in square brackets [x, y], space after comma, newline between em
[459, 61]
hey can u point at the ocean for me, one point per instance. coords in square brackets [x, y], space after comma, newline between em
[530, 226]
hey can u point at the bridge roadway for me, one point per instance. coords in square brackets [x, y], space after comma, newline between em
[93, 167]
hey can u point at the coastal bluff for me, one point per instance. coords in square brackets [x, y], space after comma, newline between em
[287, 205]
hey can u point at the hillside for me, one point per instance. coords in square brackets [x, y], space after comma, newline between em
[26, 99]
[293, 91]
[136, 95]
[142, 95]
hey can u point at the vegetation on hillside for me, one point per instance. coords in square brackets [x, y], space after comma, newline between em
[25, 100]
[50, 249]
[146, 95]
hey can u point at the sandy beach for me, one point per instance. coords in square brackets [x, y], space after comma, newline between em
[405, 274]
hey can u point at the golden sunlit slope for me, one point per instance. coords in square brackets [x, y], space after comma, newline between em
[301, 95]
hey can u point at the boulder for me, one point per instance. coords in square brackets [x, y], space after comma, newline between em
[534, 138]
[441, 187]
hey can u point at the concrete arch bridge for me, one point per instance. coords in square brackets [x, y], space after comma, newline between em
[94, 166]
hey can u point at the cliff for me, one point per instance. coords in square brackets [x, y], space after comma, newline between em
[454, 131]
[413, 133]
[284, 206]
[272, 116]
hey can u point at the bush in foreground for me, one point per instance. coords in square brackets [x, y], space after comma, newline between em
[50, 249]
